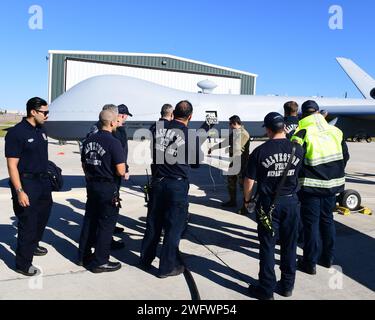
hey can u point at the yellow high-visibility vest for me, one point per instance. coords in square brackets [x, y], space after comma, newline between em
[322, 144]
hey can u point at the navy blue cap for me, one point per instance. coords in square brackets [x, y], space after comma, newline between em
[123, 109]
[309, 106]
[274, 121]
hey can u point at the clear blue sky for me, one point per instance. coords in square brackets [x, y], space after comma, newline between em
[288, 43]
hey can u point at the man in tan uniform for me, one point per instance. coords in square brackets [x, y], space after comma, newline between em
[239, 143]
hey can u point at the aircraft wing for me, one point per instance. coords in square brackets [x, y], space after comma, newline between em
[364, 82]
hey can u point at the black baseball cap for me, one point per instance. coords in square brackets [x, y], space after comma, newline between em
[274, 121]
[309, 106]
[123, 109]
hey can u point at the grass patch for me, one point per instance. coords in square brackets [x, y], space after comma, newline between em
[5, 126]
[2, 133]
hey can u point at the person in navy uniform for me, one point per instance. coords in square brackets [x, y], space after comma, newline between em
[291, 118]
[266, 166]
[291, 124]
[122, 112]
[168, 209]
[103, 162]
[121, 133]
[26, 150]
[166, 116]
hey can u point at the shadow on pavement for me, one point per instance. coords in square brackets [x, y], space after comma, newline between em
[67, 221]
[355, 254]
[359, 181]
[354, 250]
[73, 182]
[213, 270]
[8, 236]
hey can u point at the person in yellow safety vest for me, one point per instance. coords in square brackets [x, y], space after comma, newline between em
[239, 144]
[322, 177]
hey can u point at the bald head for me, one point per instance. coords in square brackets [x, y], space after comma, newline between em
[108, 119]
[183, 110]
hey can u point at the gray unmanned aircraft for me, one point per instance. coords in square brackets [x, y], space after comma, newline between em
[76, 110]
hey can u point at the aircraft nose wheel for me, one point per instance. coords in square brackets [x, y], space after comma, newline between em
[350, 199]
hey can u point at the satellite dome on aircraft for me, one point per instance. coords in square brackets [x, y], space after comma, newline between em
[207, 86]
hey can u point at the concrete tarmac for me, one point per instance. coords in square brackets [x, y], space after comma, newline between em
[220, 247]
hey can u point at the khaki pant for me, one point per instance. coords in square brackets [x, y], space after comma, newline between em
[232, 186]
[236, 178]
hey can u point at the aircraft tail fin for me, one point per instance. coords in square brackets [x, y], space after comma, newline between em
[364, 82]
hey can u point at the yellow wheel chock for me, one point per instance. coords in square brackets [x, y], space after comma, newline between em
[343, 211]
[346, 212]
[365, 211]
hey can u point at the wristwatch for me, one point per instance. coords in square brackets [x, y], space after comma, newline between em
[246, 201]
[19, 190]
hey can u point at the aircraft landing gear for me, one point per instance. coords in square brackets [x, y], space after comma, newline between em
[361, 137]
[350, 199]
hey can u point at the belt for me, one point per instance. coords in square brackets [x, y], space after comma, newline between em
[99, 179]
[35, 175]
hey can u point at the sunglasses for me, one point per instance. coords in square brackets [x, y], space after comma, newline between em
[45, 113]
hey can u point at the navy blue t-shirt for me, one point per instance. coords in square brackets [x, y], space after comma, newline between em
[119, 134]
[161, 123]
[101, 152]
[267, 163]
[291, 125]
[122, 136]
[174, 155]
[29, 144]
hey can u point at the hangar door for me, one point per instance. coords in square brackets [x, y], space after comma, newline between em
[79, 70]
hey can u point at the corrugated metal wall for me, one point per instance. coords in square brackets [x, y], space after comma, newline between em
[77, 71]
[58, 69]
